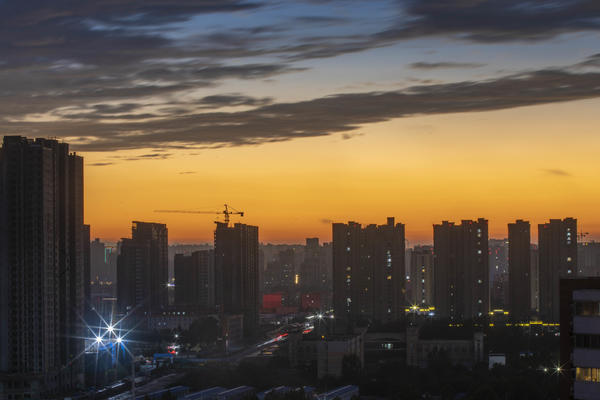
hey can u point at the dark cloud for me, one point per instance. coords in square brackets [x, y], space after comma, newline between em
[100, 164]
[322, 116]
[592, 61]
[233, 100]
[444, 65]
[187, 172]
[557, 172]
[497, 20]
[117, 71]
[320, 20]
[484, 21]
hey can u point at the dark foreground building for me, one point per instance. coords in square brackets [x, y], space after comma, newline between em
[461, 270]
[41, 268]
[368, 271]
[236, 273]
[579, 339]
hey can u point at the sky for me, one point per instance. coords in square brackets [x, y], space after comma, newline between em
[305, 112]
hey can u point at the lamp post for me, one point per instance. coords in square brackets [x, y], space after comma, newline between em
[110, 338]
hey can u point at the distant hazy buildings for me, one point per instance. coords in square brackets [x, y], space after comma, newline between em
[461, 269]
[195, 279]
[519, 256]
[142, 268]
[369, 271]
[236, 273]
[311, 274]
[41, 268]
[557, 259]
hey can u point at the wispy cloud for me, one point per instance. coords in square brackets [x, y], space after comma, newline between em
[557, 172]
[444, 65]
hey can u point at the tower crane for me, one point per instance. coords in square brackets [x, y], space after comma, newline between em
[226, 212]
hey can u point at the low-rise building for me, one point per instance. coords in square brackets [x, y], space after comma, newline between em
[326, 351]
[460, 347]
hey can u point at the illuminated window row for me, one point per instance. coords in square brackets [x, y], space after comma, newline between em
[587, 374]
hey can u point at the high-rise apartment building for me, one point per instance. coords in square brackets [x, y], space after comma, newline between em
[557, 249]
[519, 267]
[368, 271]
[41, 268]
[588, 259]
[420, 277]
[461, 269]
[236, 273]
[535, 278]
[498, 263]
[142, 268]
[195, 279]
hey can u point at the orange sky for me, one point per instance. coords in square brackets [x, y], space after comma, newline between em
[533, 162]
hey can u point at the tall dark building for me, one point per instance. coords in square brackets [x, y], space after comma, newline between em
[236, 273]
[498, 263]
[142, 268]
[461, 269]
[519, 269]
[420, 277]
[588, 259]
[557, 249]
[98, 270]
[41, 268]
[368, 271]
[195, 279]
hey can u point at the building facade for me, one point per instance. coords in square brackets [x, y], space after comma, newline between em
[369, 271]
[588, 259]
[461, 270]
[580, 339]
[236, 273]
[142, 269]
[557, 254]
[519, 259]
[42, 287]
[420, 277]
[195, 279]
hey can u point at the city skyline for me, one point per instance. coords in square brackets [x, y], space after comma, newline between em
[299, 199]
[445, 110]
